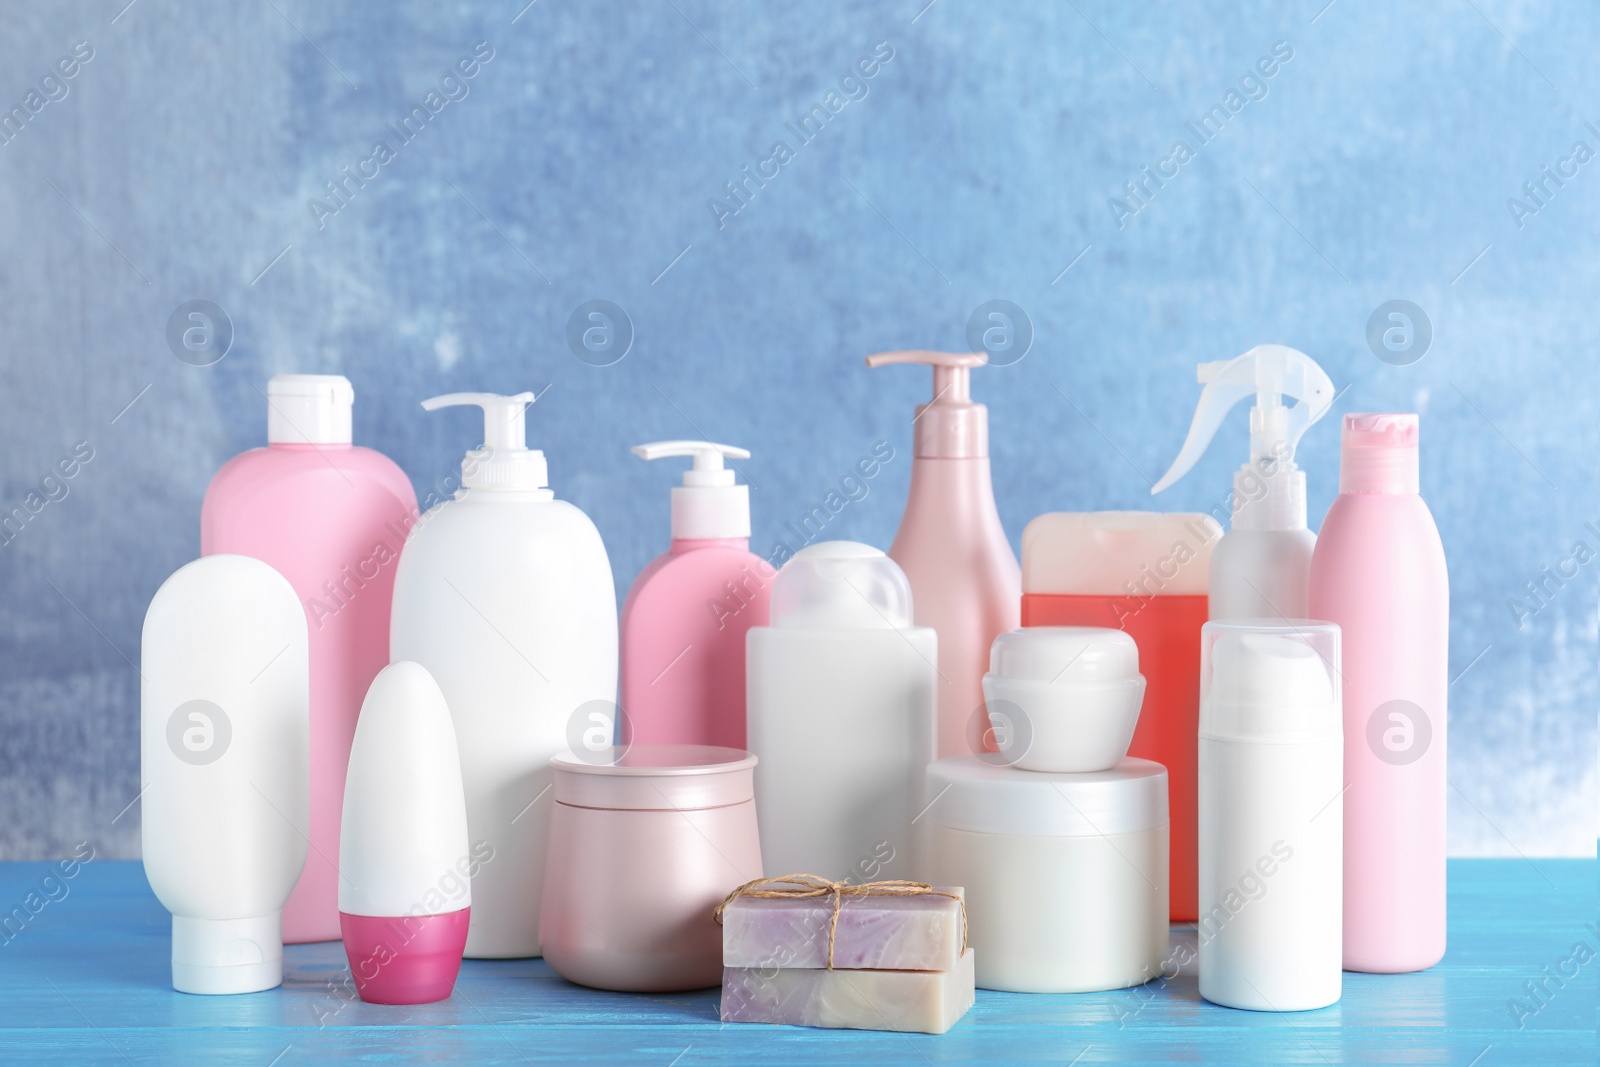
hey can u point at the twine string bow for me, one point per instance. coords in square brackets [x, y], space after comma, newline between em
[804, 886]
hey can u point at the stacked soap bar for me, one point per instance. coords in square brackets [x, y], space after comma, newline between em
[899, 962]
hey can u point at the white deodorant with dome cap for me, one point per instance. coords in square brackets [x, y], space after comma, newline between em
[224, 758]
[842, 690]
[504, 595]
[1271, 814]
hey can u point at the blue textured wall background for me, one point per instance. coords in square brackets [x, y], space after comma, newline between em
[979, 165]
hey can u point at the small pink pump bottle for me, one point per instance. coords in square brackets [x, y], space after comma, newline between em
[965, 582]
[331, 518]
[1379, 572]
[684, 621]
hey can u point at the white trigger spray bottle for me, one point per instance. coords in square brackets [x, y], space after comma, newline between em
[1262, 567]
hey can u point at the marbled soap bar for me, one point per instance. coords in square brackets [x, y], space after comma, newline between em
[927, 1002]
[878, 932]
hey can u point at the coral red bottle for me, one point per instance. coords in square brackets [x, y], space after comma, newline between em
[1145, 573]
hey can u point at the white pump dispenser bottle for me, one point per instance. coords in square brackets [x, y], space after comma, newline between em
[1262, 567]
[505, 595]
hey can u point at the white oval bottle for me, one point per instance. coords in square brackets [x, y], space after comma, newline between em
[842, 714]
[224, 757]
[504, 594]
[1271, 814]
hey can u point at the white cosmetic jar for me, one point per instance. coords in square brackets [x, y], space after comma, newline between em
[1063, 698]
[1065, 874]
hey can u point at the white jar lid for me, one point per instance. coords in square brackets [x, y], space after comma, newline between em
[1090, 654]
[981, 797]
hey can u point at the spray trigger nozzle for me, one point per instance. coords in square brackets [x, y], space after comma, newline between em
[1269, 373]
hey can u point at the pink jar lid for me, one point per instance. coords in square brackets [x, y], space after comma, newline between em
[655, 778]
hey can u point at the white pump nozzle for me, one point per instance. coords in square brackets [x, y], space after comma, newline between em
[1269, 490]
[708, 505]
[504, 461]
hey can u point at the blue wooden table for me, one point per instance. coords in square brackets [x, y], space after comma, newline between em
[85, 980]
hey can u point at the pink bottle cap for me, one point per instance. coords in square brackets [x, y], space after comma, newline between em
[406, 959]
[655, 778]
[1378, 454]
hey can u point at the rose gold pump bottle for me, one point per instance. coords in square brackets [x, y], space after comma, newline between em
[965, 582]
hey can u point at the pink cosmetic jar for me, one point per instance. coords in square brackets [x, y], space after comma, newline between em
[645, 842]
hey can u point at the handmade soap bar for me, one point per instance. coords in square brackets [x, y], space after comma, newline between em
[878, 931]
[927, 1002]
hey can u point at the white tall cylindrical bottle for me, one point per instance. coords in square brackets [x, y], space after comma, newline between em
[224, 754]
[1271, 816]
[504, 595]
[842, 714]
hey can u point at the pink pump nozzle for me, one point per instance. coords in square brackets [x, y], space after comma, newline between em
[950, 426]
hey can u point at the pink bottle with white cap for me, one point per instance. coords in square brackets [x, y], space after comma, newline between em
[965, 581]
[685, 619]
[331, 518]
[1379, 572]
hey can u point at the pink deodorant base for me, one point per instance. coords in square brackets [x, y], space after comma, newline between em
[405, 959]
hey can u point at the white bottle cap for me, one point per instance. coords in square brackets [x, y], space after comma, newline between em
[224, 956]
[1071, 654]
[504, 461]
[708, 504]
[404, 823]
[1270, 681]
[841, 585]
[309, 409]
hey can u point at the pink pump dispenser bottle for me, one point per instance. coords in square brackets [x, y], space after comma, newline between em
[965, 582]
[331, 518]
[685, 619]
[1379, 572]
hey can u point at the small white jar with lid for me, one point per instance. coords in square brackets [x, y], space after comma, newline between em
[1063, 698]
[1065, 874]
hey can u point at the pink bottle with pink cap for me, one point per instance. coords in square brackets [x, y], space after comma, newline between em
[965, 581]
[1379, 572]
[331, 518]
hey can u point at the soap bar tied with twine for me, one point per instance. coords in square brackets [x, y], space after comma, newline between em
[811, 886]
